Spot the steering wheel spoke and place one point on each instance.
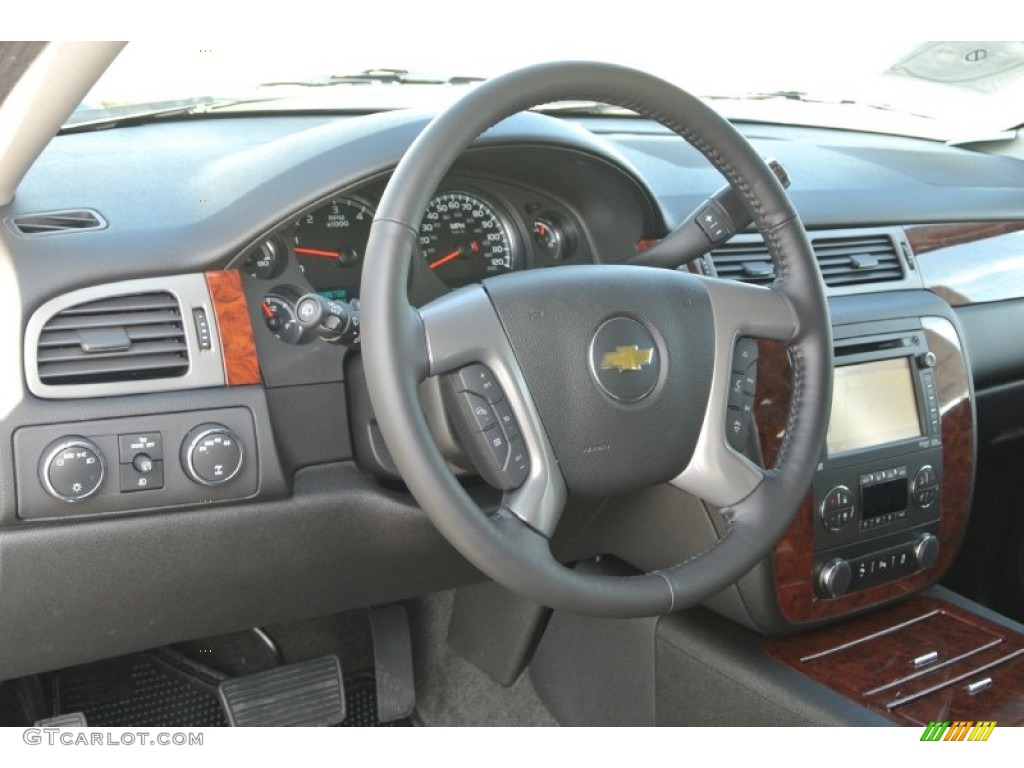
(466, 342)
(718, 472)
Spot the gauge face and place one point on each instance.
(266, 261)
(465, 240)
(330, 242)
(279, 315)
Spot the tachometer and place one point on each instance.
(465, 239)
(329, 244)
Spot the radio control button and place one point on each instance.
(837, 508)
(744, 355)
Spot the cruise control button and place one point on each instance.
(518, 466)
(506, 419)
(478, 410)
(479, 380)
(495, 447)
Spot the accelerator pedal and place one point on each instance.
(392, 661)
(307, 693)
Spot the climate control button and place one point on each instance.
(212, 454)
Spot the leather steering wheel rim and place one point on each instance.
(402, 346)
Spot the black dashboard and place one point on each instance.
(303, 528)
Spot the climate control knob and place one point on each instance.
(212, 454)
(834, 577)
(72, 469)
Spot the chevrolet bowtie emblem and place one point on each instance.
(630, 358)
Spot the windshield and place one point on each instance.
(940, 90)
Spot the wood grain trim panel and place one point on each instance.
(793, 557)
(852, 656)
(932, 237)
(241, 365)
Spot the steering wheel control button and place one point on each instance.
(837, 508)
(506, 419)
(624, 360)
(135, 479)
(479, 380)
(149, 443)
(211, 454)
(518, 467)
(745, 354)
(737, 427)
(72, 469)
(477, 411)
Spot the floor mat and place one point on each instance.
(164, 690)
(144, 689)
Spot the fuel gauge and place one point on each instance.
(279, 316)
(551, 237)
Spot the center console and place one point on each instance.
(877, 490)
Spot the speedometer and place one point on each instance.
(465, 239)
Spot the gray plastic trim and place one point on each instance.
(205, 368)
(465, 329)
(718, 473)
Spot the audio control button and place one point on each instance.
(837, 508)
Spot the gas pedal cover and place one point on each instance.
(392, 654)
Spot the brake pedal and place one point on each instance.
(307, 693)
(392, 660)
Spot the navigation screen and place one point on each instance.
(872, 404)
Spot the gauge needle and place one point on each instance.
(446, 258)
(267, 310)
(315, 252)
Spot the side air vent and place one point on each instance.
(123, 338)
(57, 221)
(845, 260)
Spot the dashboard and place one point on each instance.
(236, 219)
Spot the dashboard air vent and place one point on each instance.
(856, 260)
(845, 260)
(748, 262)
(123, 338)
(57, 221)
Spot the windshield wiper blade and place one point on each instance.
(383, 75)
(582, 109)
(139, 114)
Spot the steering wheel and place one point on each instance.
(618, 376)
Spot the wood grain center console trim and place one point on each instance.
(793, 557)
(977, 672)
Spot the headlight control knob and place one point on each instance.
(72, 469)
(212, 454)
